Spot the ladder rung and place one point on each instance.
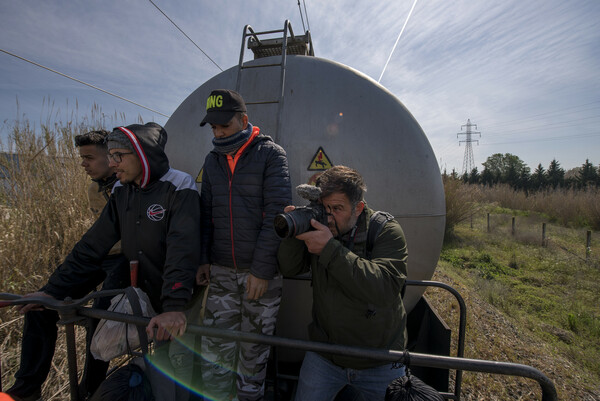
(263, 32)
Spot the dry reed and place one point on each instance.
(43, 213)
(569, 207)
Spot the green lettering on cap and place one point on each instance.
(214, 101)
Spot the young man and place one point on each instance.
(40, 331)
(155, 212)
(356, 299)
(245, 184)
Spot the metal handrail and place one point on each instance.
(462, 324)
(72, 310)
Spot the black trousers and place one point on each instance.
(40, 333)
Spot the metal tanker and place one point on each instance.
(324, 113)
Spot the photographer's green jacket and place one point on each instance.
(356, 301)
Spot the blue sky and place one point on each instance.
(526, 72)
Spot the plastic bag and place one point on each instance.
(112, 338)
(411, 388)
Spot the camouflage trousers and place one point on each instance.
(232, 370)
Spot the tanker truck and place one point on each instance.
(324, 113)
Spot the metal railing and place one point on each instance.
(73, 311)
(462, 327)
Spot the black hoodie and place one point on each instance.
(158, 223)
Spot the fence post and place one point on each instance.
(513, 225)
(488, 222)
(544, 234)
(588, 245)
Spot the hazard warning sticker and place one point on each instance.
(320, 161)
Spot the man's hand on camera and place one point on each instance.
(316, 239)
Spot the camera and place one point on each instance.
(298, 220)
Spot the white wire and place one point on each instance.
(394, 48)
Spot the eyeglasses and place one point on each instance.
(117, 157)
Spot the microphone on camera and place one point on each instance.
(309, 192)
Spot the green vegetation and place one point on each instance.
(546, 297)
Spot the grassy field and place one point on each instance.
(527, 303)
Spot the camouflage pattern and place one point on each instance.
(233, 370)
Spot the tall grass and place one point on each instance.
(569, 207)
(44, 203)
(43, 212)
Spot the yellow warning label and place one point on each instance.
(199, 177)
(320, 161)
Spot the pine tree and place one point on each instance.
(588, 176)
(555, 174)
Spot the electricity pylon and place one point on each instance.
(468, 161)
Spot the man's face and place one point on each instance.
(341, 212)
(235, 125)
(94, 161)
(129, 169)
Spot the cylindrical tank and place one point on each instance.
(331, 114)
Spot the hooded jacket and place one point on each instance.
(239, 203)
(356, 301)
(158, 223)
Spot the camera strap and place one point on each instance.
(351, 238)
(376, 222)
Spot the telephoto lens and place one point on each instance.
(296, 222)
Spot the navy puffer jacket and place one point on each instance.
(240, 203)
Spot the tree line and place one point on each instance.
(510, 169)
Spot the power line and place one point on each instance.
(84, 83)
(190, 39)
(545, 139)
(394, 48)
(301, 17)
(306, 13)
(554, 113)
(560, 124)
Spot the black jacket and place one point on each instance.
(157, 222)
(238, 207)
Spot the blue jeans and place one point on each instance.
(321, 380)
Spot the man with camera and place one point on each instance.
(356, 291)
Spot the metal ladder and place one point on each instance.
(287, 44)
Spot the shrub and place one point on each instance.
(462, 201)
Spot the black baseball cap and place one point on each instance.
(221, 106)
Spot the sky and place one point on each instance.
(525, 72)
